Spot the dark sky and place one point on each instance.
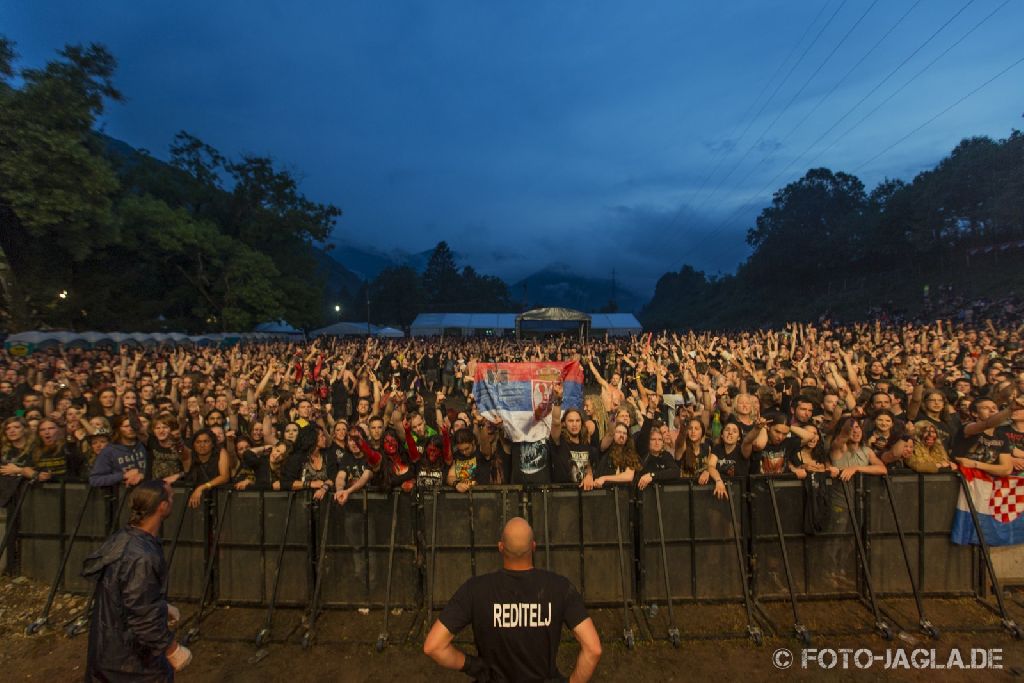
(634, 136)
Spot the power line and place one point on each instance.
(723, 152)
(777, 89)
(832, 90)
(964, 97)
(754, 198)
(913, 78)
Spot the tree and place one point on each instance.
(809, 228)
(55, 191)
(396, 297)
(441, 281)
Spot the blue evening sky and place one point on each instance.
(634, 136)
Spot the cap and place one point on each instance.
(101, 431)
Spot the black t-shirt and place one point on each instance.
(1014, 438)
(531, 462)
(569, 461)
(981, 447)
(774, 457)
(517, 619)
(352, 464)
(662, 465)
(728, 465)
(947, 429)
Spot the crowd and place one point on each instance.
(335, 416)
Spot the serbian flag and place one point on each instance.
(1000, 504)
(520, 394)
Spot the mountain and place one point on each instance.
(556, 285)
(368, 262)
(338, 278)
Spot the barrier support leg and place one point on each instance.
(382, 637)
(12, 519)
(673, 632)
(547, 531)
(44, 618)
(264, 633)
(472, 534)
(197, 617)
(627, 628)
(433, 562)
(798, 627)
(880, 625)
(926, 626)
(753, 631)
(79, 624)
(1005, 619)
(314, 609)
(177, 534)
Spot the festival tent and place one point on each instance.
(552, 320)
(345, 329)
(277, 327)
(463, 324)
(614, 324)
(44, 338)
(390, 333)
(499, 324)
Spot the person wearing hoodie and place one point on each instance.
(124, 458)
(130, 630)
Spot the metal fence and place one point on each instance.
(616, 545)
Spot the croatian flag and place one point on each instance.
(1000, 504)
(520, 394)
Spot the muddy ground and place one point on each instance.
(713, 643)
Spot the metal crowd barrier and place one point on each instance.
(671, 544)
(926, 504)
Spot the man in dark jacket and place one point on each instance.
(129, 635)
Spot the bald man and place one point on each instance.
(517, 615)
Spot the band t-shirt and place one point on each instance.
(569, 461)
(981, 447)
(352, 464)
(517, 619)
(774, 457)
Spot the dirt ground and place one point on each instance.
(713, 643)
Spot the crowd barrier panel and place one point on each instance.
(578, 529)
(823, 565)
(191, 550)
(463, 543)
(699, 544)
(575, 531)
(249, 545)
(926, 504)
(356, 563)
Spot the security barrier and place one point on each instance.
(424, 544)
(699, 544)
(823, 565)
(926, 504)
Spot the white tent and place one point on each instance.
(390, 332)
(345, 329)
(277, 327)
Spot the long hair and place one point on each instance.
(600, 415)
(30, 438)
(625, 456)
(40, 450)
(685, 449)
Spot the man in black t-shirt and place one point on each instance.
(517, 615)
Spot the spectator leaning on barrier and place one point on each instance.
(124, 460)
(978, 444)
